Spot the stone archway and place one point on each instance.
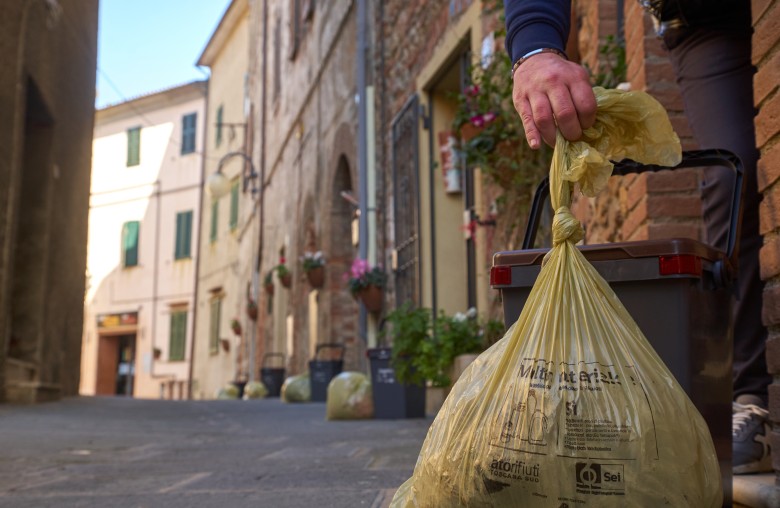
(341, 308)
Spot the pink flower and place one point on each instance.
(477, 121)
(489, 117)
(359, 268)
(472, 91)
(281, 260)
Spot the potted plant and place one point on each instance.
(268, 282)
(366, 283)
(235, 325)
(157, 353)
(285, 277)
(225, 345)
(251, 309)
(314, 268)
(398, 387)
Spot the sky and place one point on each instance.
(149, 45)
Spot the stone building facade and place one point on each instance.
(47, 94)
(303, 87)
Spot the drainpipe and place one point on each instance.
(193, 335)
(366, 176)
(261, 184)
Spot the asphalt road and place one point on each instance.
(117, 452)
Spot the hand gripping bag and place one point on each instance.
(573, 407)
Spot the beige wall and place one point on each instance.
(165, 183)
(227, 262)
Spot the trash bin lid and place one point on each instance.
(617, 251)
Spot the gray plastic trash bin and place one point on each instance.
(677, 290)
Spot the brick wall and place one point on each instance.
(648, 206)
(766, 57)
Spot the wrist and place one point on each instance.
(541, 51)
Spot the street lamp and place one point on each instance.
(219, 185)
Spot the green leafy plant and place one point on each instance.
(281, 268)
(425, 348)
(362, 275)
(493, 140)
(312, 260)
(612, 63)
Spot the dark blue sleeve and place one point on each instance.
(534, 24)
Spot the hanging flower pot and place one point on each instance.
(286, 280)
(157, 353)
(235, 325)
(316, 277)
(251, 310)
(269, 288)
(225, 345)
(372, 297)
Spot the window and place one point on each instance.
(234, 205)
(183, 234)
(178, 335)
(214, 323)
(133, 146)
(130, 243)
(188, 128)
(214, 220)
(220, 113)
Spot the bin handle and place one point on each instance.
(724, 273)
(332, 345)
(269, 355)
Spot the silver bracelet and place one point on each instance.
(539, 51)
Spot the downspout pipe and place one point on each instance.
(362, 45)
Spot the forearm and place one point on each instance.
(534, 24)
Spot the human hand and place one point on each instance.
(548, 91)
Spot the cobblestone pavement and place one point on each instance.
(117, 452)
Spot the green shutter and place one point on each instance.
(216, 311)
(133, 146)
(219, 125)
(130, 243)
(188, 130)
(178, 336)
(214, 220)
(183, 235)
(234, 205)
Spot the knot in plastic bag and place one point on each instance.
(566, 227)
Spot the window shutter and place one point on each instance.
(234, 205)
(188, 130)
(130, 232)
(214, 220)
(216, 311)
(178, 336)
(219, 125)
(183, 234)
(133, 146)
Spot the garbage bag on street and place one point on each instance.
(349, 397)
(297, 388)
(255, 390)
(228, 392)
(573, 407)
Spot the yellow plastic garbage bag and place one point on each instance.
(573, 407)
(297, 388)
(255, 390)
(349, 397)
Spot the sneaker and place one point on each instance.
(750, 432)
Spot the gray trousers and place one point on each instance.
(715, 75)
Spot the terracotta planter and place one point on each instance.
(372, 297)
(469, 131)
(251, 311)
(269, 288)
(225, 345)
(236, 328)
(157, 353)
(286, 280)
(316, 277)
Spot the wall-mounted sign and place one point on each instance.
(116, 320)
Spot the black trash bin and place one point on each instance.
(272, 377)
(678, 291)
(321, 371)
(392, 399)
